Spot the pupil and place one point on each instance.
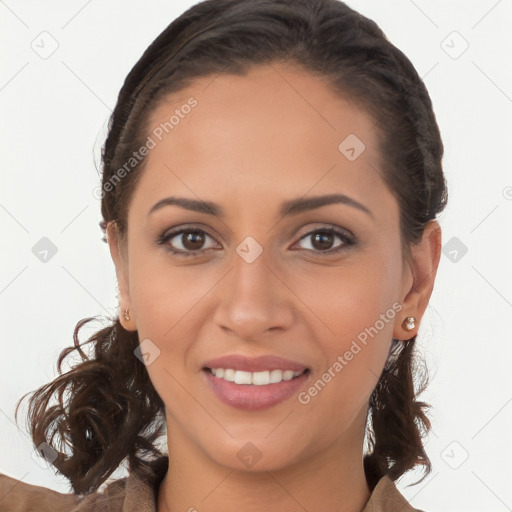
(324, 239)
(193, 240)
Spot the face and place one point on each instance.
(322, 285)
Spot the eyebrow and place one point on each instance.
(291, 207)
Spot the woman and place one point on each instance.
(271, 180)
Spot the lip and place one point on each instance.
(250, 397)
(254, 364)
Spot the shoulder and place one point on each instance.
(387, 498)
(19, 496)
(136, 492)
(16, 495)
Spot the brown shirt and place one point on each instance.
(131, 494)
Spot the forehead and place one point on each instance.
(277, 129)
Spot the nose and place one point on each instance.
(253, 300)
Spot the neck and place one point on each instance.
(332, 480)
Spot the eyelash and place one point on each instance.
(347, 238)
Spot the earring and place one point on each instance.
(409, 323)
(126, 315)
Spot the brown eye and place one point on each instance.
(187, 242)
(192, 241)
(322, 241)
(327, 240)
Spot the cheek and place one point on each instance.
(355, 310)
(352, 298)
(171, 305)
(167, 302)
(166, 297)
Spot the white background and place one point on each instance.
(55, 114)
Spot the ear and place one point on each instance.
(421, 269)
(120, 258)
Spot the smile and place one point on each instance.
(253, 391)
(263, 378)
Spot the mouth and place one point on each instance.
(260, 378)
(254, 391)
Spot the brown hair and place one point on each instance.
(107, 410)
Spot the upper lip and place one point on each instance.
(254, 364)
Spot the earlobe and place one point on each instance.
(424, 261)
(119, 258)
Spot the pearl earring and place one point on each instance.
(409, 323)
(126, 315)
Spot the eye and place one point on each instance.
(324, 240)
(190, 241)
(186, 241)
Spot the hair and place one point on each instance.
(105, 409)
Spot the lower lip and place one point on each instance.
(250, 397)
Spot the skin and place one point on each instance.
(251, 143)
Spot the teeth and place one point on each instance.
(229, 375)
(257, 378)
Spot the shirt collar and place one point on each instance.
(141, 493)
